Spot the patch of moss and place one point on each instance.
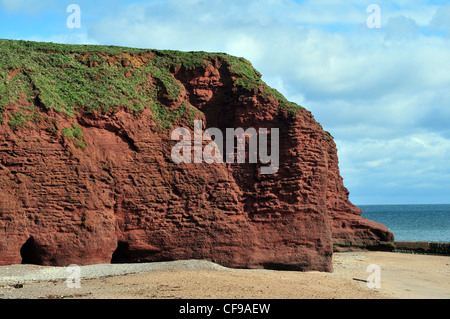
(75, 135)
(169, 86)
(248, 78)
(74, 132)
(169, 118)
(246, 75)
(80, 144)
(3, 91)
(391, 246)
(17, 120)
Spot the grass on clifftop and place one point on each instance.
(92, 78)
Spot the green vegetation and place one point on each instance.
(75, 135)
(190, 60)
(168, 118)
(391, 246)
(74, 132)
(2, 117)
(18, 120)
(248, 78)
(88, 78)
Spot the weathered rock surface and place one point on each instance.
(122, 198)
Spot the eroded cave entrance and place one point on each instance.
(29, 252)
(121, 254)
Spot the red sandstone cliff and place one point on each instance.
(122, 199)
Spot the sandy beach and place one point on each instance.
(405, 276)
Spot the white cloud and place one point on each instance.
(399, 27)
(407, 160)
(441, 19)
(379, 162)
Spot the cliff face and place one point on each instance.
(86, 174)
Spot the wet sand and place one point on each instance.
(405, 276)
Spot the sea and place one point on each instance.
(412, 222)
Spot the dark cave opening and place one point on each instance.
(29, 253)
(121, 254)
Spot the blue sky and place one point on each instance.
(383, 93)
